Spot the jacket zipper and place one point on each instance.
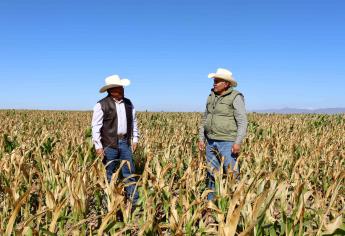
(216, 100)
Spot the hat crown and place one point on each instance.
(222, 71)
(113, 79)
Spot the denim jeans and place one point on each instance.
(113, 158)
(215, 150)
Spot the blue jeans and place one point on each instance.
(113, 158)
(215, 150)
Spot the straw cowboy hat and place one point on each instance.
(224, 74)
(114, 81)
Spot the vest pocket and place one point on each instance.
(223, 108)
(108, 116)
(224, 125)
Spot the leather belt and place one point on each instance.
(121, 136)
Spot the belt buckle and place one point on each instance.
(121, 136)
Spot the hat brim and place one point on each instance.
(122, 83)
(223, 77)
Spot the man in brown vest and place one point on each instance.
(115, 132)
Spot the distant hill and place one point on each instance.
(303, 111)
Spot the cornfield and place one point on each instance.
(292, 171)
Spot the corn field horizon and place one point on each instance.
(292, 178)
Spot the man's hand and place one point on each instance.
(100, 152)
(134, 146)
(201, 145)
(236, 149)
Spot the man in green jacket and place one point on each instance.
(223, 126)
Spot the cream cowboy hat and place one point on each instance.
(114, 81)
(224, 74)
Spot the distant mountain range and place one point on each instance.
(288, 110)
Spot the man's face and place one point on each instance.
(219, 85)
(116, 92)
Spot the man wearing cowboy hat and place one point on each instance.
(223, 126)
(115, 132)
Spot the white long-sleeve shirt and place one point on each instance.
(97, 123)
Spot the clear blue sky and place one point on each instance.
(283, 53)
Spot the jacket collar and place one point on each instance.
(228, 91)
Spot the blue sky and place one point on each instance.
(283, 53)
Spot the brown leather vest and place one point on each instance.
(109, 127)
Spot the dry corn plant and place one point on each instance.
(291, 179)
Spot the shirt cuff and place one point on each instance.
(238, 141)
(98, 145)
(135, 139)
